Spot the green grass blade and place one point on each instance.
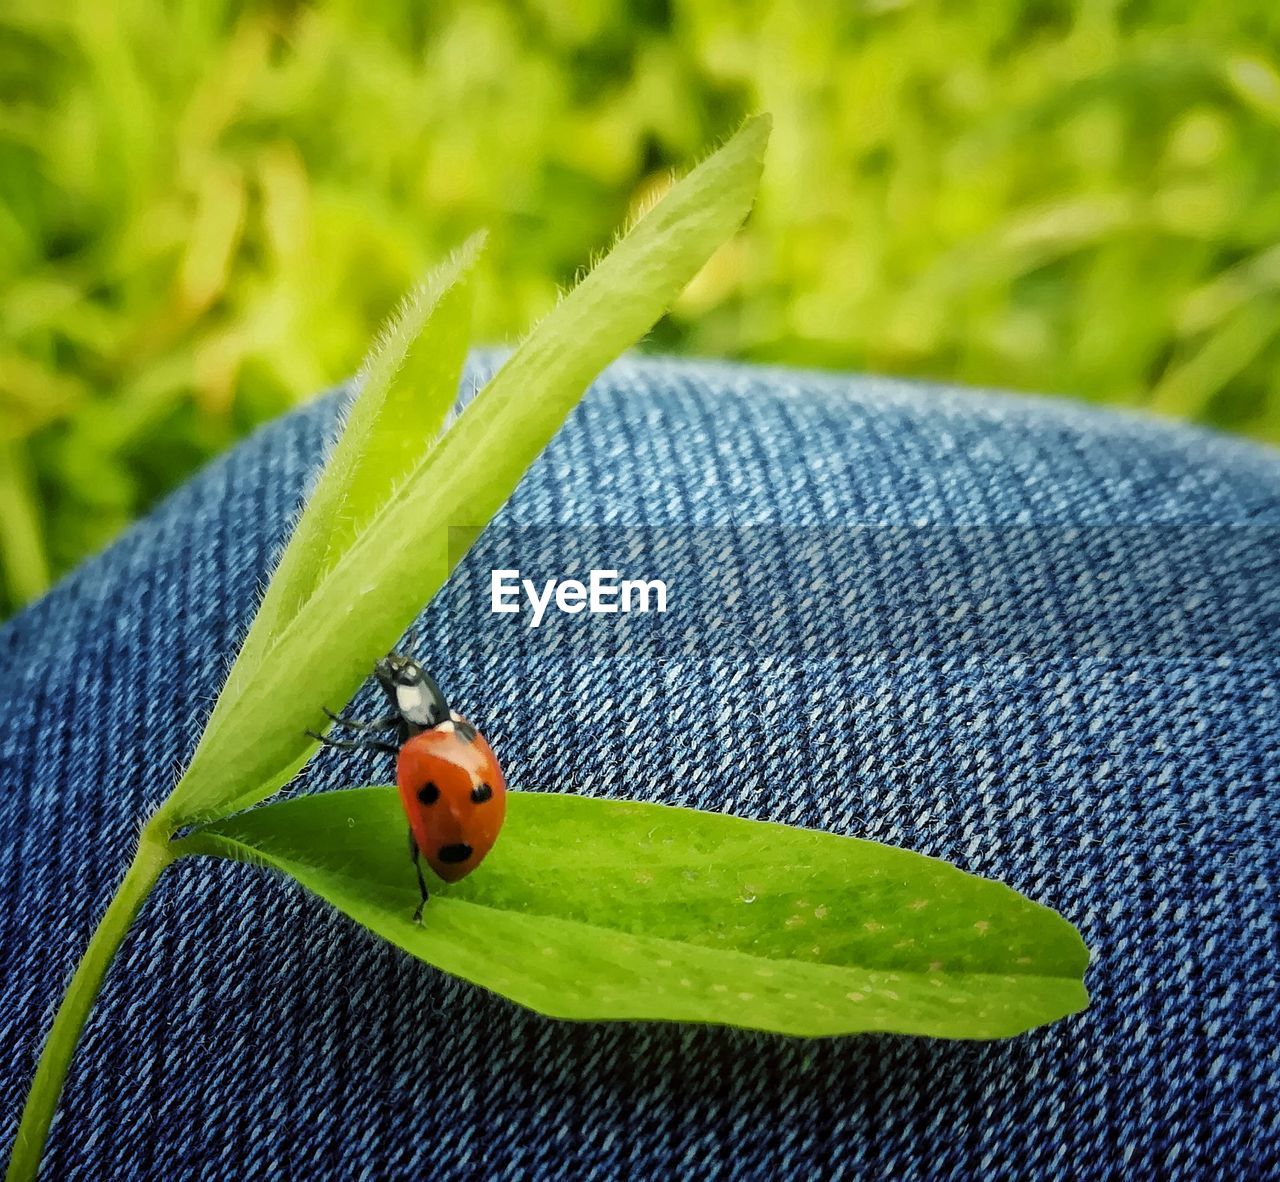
(399, 561)
(23, 560)
(595, 909)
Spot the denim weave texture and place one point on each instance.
(1118, 767)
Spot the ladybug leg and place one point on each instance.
(359, 745)
(378, 724)
(422, 882)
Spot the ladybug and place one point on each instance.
(451, 785)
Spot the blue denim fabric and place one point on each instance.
(248, 1031)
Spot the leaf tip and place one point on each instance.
(472, 248)
(758, 126)
(753, 135)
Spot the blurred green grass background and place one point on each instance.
(207, 207)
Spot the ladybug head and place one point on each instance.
(415, 696)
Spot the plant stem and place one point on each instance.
(153, 855)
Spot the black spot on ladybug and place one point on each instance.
(465, 731)
(428, 793)
(481, 792)
(453, 854)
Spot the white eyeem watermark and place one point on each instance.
(604, 593)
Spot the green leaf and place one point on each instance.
(598, 909)
(327, 646)
(405, 389)
(511, 419)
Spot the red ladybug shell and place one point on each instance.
(454, 795)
